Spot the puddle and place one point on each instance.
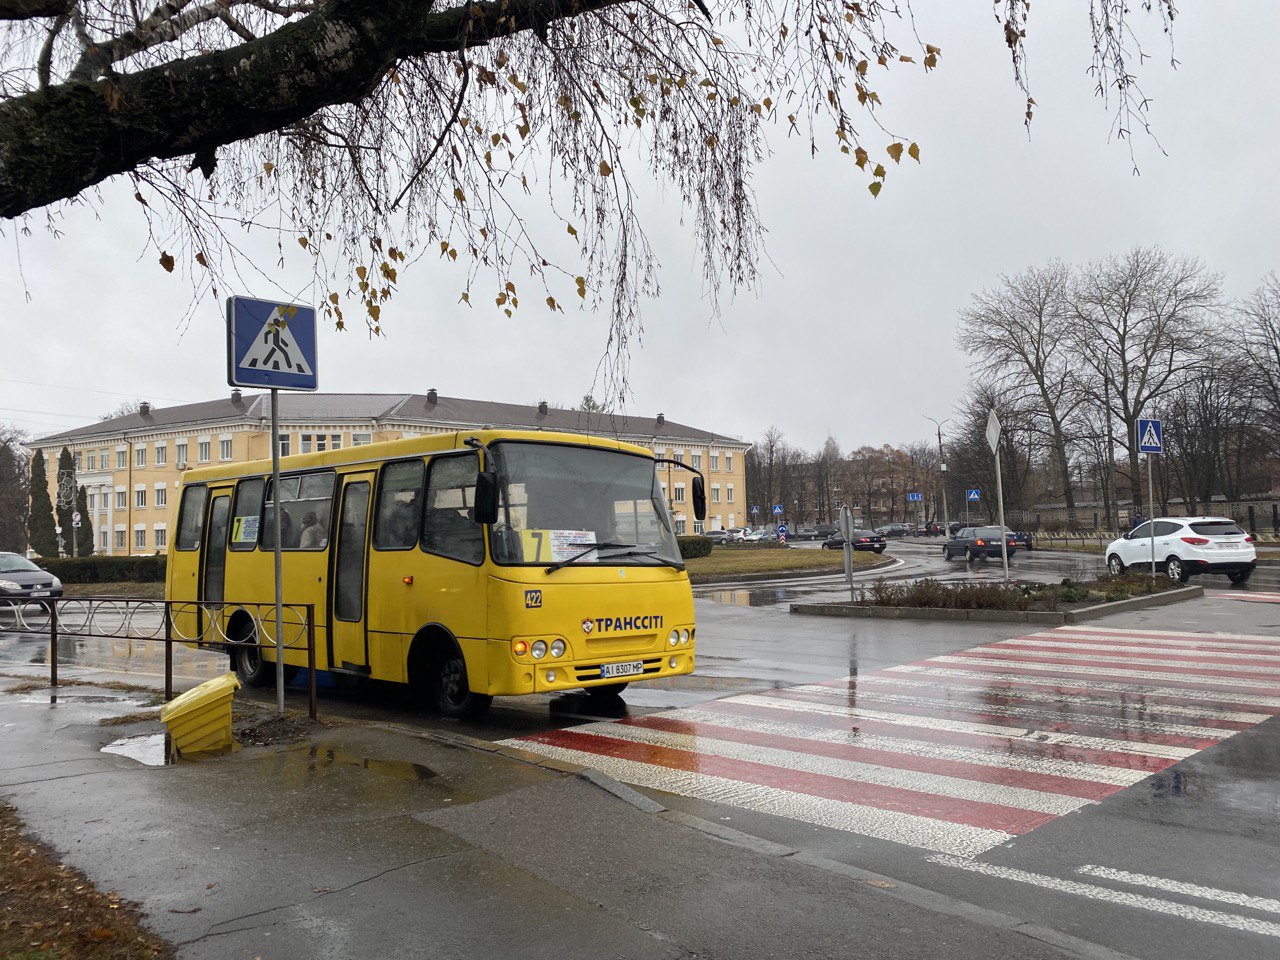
(56, 698)
(323, 758)
(152, 749)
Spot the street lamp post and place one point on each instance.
(942, 471)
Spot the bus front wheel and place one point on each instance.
(250, 666)
(452, 695)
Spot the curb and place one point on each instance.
(906, 892)
(1050, 617)
(710, 579)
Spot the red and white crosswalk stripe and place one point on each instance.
(957, 753)
(1253, 596)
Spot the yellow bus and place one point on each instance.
(472, 564)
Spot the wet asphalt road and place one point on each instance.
(1164, 843)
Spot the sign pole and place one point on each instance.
(1004, 539)
(275, 523)
(1151, 517)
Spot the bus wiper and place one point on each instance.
(654, 555)
(578, 556)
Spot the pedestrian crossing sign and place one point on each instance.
(1150, 436)
(271, 344)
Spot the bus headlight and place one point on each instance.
(674, 637)
(557, 648)
(539, 649)
(684, 637)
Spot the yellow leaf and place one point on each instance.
(913, 152)
(302, 242)
(166, 261)
(860, 157)
(551, 303)
(461, 197)
(573, 231)
(200, 259)
(466, 297)
(333, 298)
(605, 169)
(878, 171)
(930, 48)
(374, 311)
(361, 272)
(874, 187)
(268, 166)
(895, 151)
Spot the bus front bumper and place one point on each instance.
(509, 677)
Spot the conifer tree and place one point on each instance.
(84, 536)
(13, 495)
(40, 524)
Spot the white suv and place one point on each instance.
(1185, 546)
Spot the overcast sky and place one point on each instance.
(851, 330)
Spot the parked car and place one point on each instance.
(825, 530)
(1022, 538)
(804, 533)
(894, 530)
(738, 534)
(861, 540)
(22, 580)
(717, 536)
(754, 536)
(931, 529)
(974, 542)
(1185, 547)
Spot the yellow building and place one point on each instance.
(130, 466)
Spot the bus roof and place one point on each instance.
(397, 449)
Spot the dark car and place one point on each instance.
(824, 530)
(931, 529)
(21, 580)
(894, 530)
(974, 542)
(861, 540)
(1021, 537)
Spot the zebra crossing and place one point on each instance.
(954, 754)
(1253, 596)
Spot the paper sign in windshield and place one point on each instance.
(553, 546)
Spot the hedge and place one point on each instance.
(106, 569)
(694, 546)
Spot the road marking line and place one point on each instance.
(892, 825)
(1051, 680)
(1069, 771)
(1116, 897)
(1208, 667)
(1179, 886)
(940, 784)
(1188, 634)
(937, 723)
(1069, 696)
(1200, 681)
(1107, 649)
(861, 694)
(1206, 642)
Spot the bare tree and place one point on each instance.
(1020, 337)
(1138, 321)
(369, 132)
(1260, 349)
(126, 408)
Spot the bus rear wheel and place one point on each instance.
(451, 693)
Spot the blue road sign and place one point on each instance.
(1150, 436)
(271, 344)
(914, 497)
(777, 509)
(973, 495)
(755, 510)
(782, 529)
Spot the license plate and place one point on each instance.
(1230, 546)
(609, 670)
(39, 593)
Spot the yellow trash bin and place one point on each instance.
(200, 719)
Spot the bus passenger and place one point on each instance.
(312, 537)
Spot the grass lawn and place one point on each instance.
(148, 591)
(737, 560)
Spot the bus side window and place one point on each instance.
(447, 526)
(399, 506)
(247, 514)
(306, 505)
(191, 518)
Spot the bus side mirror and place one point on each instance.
(699, 498)
(486, 509)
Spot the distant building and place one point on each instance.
(130, 466)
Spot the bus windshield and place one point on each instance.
(558, 501)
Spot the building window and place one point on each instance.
(93, 501)
(335, 441)
(102, 540)
(140, 538)
(715, 461)
(361, 439)
(75, 461)
(699, 526)
(715, 493)
(162, 456)
(679, 526)
(180, 453)
(140, 497)
(679, 493)
(202, 451)
(121, 462)
(224, 449)
(161, 538)
(678, 457)
(697, 465)
(728, 463)
(162, 496)
(122, 502)
(93, 462)
(282, 440)
(139, 456)
(729, 493)
(120, 541)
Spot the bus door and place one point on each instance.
(214, 577)
(348, 639)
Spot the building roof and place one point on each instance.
(383, 409)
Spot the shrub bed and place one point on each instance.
(1022, 596)
(107, 569)
(694, 546)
